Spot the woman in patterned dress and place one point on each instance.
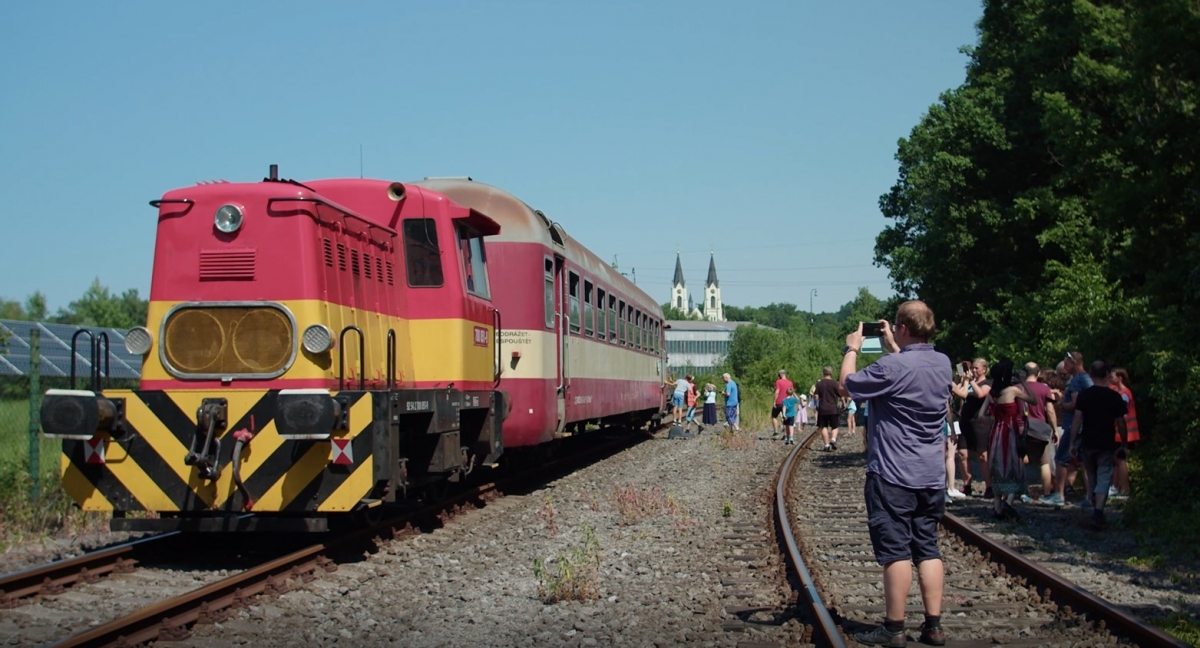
(1005, 464)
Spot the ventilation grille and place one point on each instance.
(227, 264)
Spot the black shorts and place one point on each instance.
(977, 438)
(776, 411)
(789, 421)
(827, 420)
(903, 521)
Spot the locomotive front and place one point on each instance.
(288, 370)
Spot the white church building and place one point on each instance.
(710, 308)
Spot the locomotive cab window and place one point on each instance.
(474, 262)
(589, 313)
(423, 255)
(573, 291)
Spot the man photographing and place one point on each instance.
(908, 390)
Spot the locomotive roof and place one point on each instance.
(521, 223)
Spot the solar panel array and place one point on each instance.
(55, 349)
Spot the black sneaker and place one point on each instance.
(881, 636)
(987, 493)
(1098, 520)
(833, 444)
(933, 636)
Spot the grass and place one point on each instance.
(26, 519)
(573, 575)
(635, 504)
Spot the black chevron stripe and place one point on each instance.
(321, 488)
(101, 478)
(158, 468)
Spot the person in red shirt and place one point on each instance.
(781, 389)
(1120, 384)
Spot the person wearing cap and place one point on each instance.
(782, 385)
(1098, 411)
(1068, 466)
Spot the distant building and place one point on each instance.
(698, 347)
(710, 309)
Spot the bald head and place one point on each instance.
(917, 317)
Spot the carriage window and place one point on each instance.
(621, 315)
(612, 319)
(601, 329)
(637, 329)
(573, 291)
(589, 313)
(549, 294)
(421, 251)
(474, 260)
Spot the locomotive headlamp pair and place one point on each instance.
(228, 218)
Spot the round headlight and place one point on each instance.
(317, 338)
(228, 218)
(138, 340)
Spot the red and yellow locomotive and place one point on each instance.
(315, 349)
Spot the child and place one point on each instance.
(789, 416)
(710, 404)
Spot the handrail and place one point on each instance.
(362, 376)
(345, 212)
(391, 359)
(498, 331)
(101, 341)
(91, 351)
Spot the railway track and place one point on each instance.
(171, 617)
(992, 594)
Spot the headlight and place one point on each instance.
(228, 218)
(317, 338)
(138, 340)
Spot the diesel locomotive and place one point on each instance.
(318, 349)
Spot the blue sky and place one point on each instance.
(764, 132)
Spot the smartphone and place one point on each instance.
(872, 329)
(964, 368)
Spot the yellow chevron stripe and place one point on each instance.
(88, 497)
(136, 481)
(359, 483)
(352, 491)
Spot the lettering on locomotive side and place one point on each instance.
(516, 337)
(583, 400)
(417, 406)
(481, 336)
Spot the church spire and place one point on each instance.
(712, 270)
(679, 272)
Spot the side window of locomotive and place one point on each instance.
(601, 329)
(589, 313)
(621, 321)
(422, 254)
(474, 260)
(573, 292)
(549, 276)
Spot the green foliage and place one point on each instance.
(572, 575)
(1048, 203)
(670, 312)
(100, 307)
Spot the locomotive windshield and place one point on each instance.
(422, 253)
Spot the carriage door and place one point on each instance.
(562, 325)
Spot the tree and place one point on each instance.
(1049, 203)
(100, 307)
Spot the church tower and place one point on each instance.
(679, 293)
(713, 311)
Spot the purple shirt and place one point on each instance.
(909, 392)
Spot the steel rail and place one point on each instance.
(53, 577)
(1063, 590)
(783, 521)
(171, 619)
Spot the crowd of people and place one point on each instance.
(938, 432)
